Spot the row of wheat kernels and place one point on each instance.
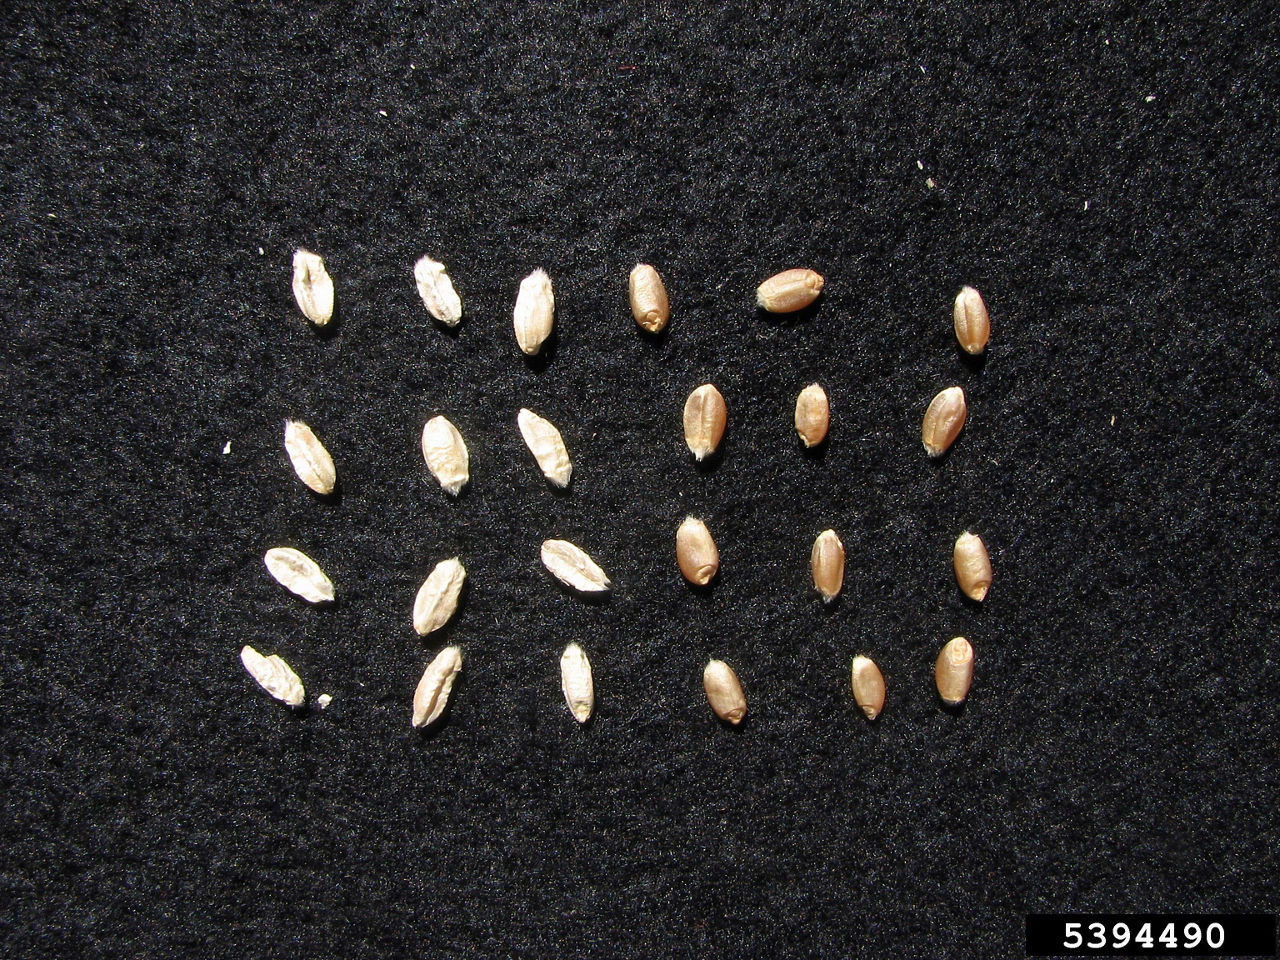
(535, 306)
(953, 674)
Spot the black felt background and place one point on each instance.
(1106, 176)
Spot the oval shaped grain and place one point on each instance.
(868, 686)
(547, 446)
(437, 598)
(789, 290)
(649, 304)
(432, 694)
(446, 454)
(274, 676)
(813, 415)
(696, 552)
(724, 692)
(943, 421)
(954, 671)
(972, 565)
(535, 311)
(972, 322)
(311, 461)
(312, 287)
(705, 416)
(826, 562)
(575, 680)
(570, 565)
(435, 287)
(299, 574)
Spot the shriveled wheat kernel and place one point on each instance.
(299, 574)
(547, 446)
(696, 552)
(437, 598)
(649, 304)
(432, 694)
(575, 681)
(943, 420)
(572, 567)
(436, 290)
(446, 454)
(813, 415)
(973, 566)
(311, 461)
(954, 671)
(705, 416)
(535, 311)
(973, 324)
(789, 290)
(724, 692)
(312, 287)
(868, 686)
(826, 561)
(274, 676)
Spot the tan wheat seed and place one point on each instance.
(575, 681)
(868, 686)
(705, 416)
(571, 566)
(437, 598)
(446, 454)
(649, 304)
(696, 552)
(432, 695)
(299, 574)
(724, 692)
(789, 290)
(954, 671)
(274, 676)
(826, 562)
(547, 446)
(943, 421)
(311, 461)
(813, 415)
(436, 290)
(973, 566)
(973, 324)
(312, 287)
(535, 311)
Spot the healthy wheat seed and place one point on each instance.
(705, 416)
(724, 692)
(432, 694)
(572, 567)
(437, 598)
(868, 686)
(649, 304)
(973, 325)
(575, 681)
(954, 671)
(311, 461)
(973, 566)
(826, 561)
(437, 292)
(535, 311)
(446, 454)
(696, 552)
(547, 446)
(312, 287)
(813, 415)
(274, 676)
(789, 290)
(299, 574)
(943, 421)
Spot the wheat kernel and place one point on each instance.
(705, 416)
(789, 290)
(696, 552)
(436, 290)
(954, 671)
(724, 692)
(274, 676)
(943, 421)
(813, 415)
(868, 686)
(311, 461)
(649, 304)
(446, 454)
(535, 311)
(973, 325)
(432, 694)
(547, 446)
(299, 574)
(973, 566)
(312, 287)
(575, 681)
(826, 561)
(570, 565)
(437, 598)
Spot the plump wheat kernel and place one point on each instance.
(813, 415)
(437, 598)
(311, 461)
(437, 292)
(973, 325)
(649, 304)
(705, 416)
(696, 552)
(572, 567)
(274, 676)
(432, 694)
(446, 454)
(298, 573)
(724, 692)
(312, 287)
(954, 671)
(535, 311)
(826, 561)
(868, 686)
(943, 420)
(973, 566)
(789, 290)
(575, 681)
(547, 446)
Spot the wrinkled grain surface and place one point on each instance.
(432, 695)
(446, 454)
(312, 287)
(311, 461)
(535, 311)
(437, 598)
(547, 446)
(576, 682)
(571, 566)
(954, 671)
(435, 287)
(298, 573)
(274, 676)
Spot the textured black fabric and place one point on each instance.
(1105, 173)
